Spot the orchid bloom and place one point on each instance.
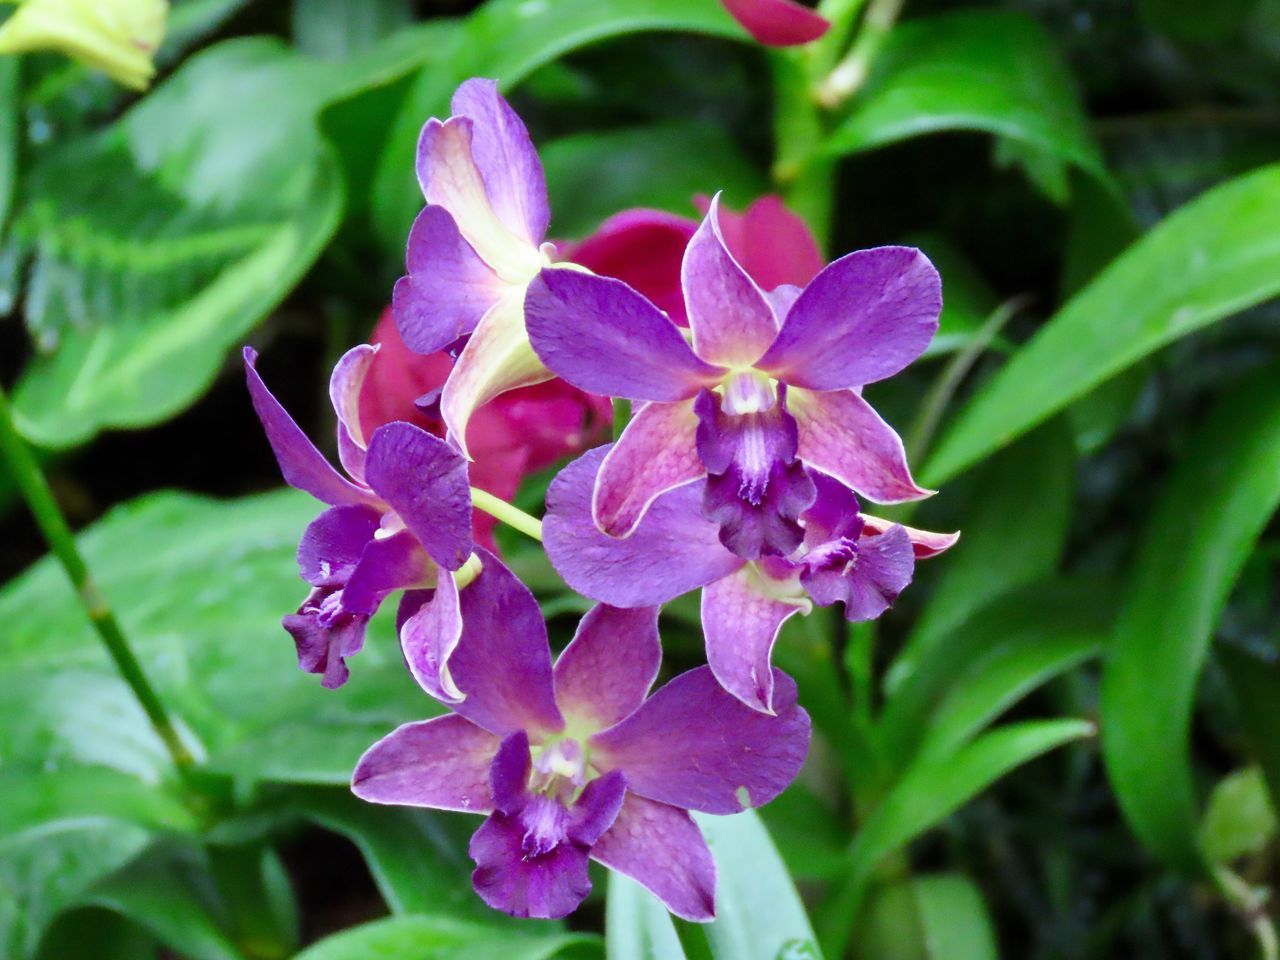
(400, 519)
(861, 561)
(518, 433)
(473, 251)
(118, 37)
(778, 23)
(768, 384)
(571, 762)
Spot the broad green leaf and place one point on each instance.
(1014, 532)
(1210, 259)
(637, 926)
(1217, 501)
(592, 176)
(37, 799)
(1239, 819)
(985, 70)
(333, 30)
(938, 917)
(507, 40)
(100, 934)
(969, 299)
(987, 662)
(759, 915)
(443, 938)
(209, 200)
(199, 587)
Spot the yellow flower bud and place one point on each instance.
(118, 37)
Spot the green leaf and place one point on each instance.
(333, 30)
(592, 176)
(759, 915)
(212, 196)
(8, 141)
(939, 917)
(507, 40)
(100, 934)
(1216, 503)
(969, 300)
(1255, 686)
(442, 938)
(1210, 259)
(984, 70)
(1188, 20)
(1239, 819)
(199, 587)
(1014, 533)
(637, 926)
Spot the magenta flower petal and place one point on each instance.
(841, 435)
(863, 318)
(661, 848)
(656, 452)
(430, 626)
(643, 249)
(333, 543)
(502, 663)
(694, 746)
(345, 384)
(506, 158)
(604, 673)
(774, 245)
(778, 23)
(441, 763)
(731, 319)
(603, 337)
(672, 551)
(447, 288)
(546, 886)
(424, 480)
(303, 466)
(741, 624)
(924, 543)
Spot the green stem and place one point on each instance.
(852, 72)
(1252, 905)
(621, 415)
(805, 180)
(513, 517)
(35, 491)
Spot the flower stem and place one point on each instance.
(513, 517)
(35, 491)
(621, 415)
(1252, 906)
(852, 72)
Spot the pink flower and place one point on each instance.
(519, 433)
(778, 23)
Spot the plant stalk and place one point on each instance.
(512, 516)
(852, 72)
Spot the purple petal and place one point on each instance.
(604, 674)
(302, 465)
(334, 542)
(497, 358)
(447, 288)
(506, 158)
(597, 808)
(509, 774)
(924, 543)
(656, 452)
(441, 763)
(502, 663)
(548, 886)
(662, 849)
(603, 337)
(835, 512)
(694, 746)
(387, 564)
(868, 580)
(741, 623)
(731, 319)
(841, 435)
(430, 628)
(424, 480)
(672, 551)
(862, 319)
(756, 488)
(325, 634)
(778, 23)
(345, 384)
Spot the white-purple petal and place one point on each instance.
(863, 318)
(661, 848)
(605, 338)
(672, 551)
(924, 543)
(441, 763)
(430, 626)
(345, 384)
(607, 669)
(694, 746)
(732, 321)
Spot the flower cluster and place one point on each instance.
(739, 474)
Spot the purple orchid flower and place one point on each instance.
(401, 520)
(769, 385)
(863, 562)
(571, 762)
(474, 249)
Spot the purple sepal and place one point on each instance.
(607, 669)
(441, 763)
(741, 623)
(694, 746)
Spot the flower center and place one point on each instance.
(748, 392)
(560, 769)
